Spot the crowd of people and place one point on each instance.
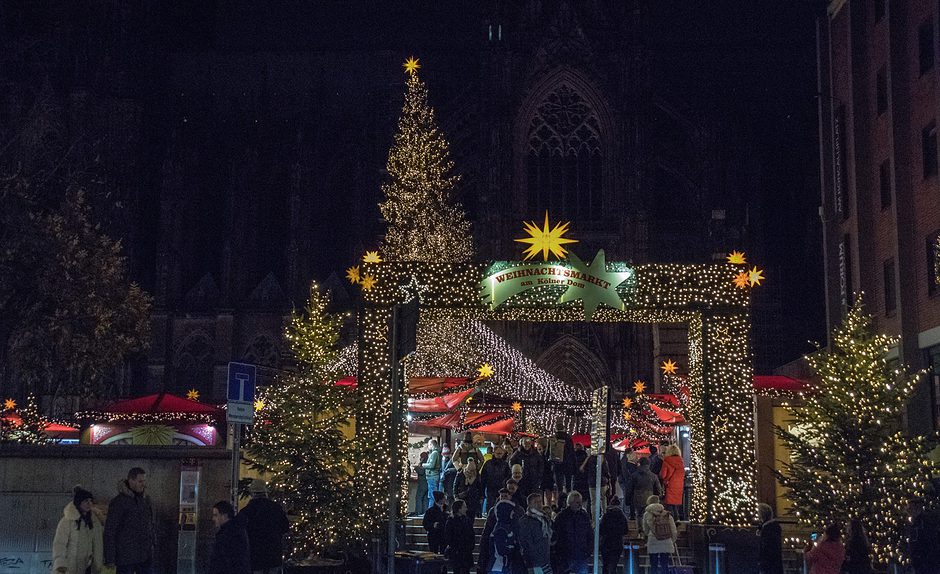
(536, 498)
(124, 540)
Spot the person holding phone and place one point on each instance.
(827, 555)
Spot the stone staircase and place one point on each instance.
(416, 539)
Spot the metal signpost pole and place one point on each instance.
(240, 411)
(236, 460)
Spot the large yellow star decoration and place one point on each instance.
(736, 258)
(353, 274)
(627, 402)
(755, 276)
(371, 257)
(740, 280)
(192, 394)
(368, 282)
(259, 404)
(547, 239)
(485, 371)
(669, 367)
(411, 65)
(516, 406)
(639, 387)
(9, 404)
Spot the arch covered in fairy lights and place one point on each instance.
(703, 296)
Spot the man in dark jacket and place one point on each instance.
(266, 524)
(534, 534)
(128, 532)
(627, 467)
(495, 473)
(573, 536)
(434, 521)
(230, 551)
(561, 450)
(770, 550)
(580, 479)
(612, 530)
(533, 467)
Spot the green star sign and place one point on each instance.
(594, 285)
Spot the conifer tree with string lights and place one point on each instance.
(28, 429)
(850, 456)
(298, 440)
(424, 222)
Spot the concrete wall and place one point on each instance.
(36, 483)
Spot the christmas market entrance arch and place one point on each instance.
(703, 296)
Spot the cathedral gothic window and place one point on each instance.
(564, 156)
(194, 365)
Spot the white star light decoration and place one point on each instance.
(414, 289)
(735, 494)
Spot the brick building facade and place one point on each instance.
(879, 109)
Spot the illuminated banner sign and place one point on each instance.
(593, 283)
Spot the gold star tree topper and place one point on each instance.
(9, 404)
(411, 66)
(485, 371)
(547, 239)
(736, 258)
(639, 387)
(192, 394)
(669, 367)
(371, 257)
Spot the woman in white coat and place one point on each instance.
(78, 547)
(661, 534)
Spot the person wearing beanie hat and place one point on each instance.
(266, 524)
(78, 544)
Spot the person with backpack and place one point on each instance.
(499, 551)
(561, 454)
(460, 539)
(613, 528)
(433, 522)
(661, 533)
(574, 536)
(534, 537)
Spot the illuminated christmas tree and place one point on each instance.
(850, 454)
(424, 224)
(298, 441)
(22, 425)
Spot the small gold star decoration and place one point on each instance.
(627, 402)
(517, 406)
(368, 282)
(740, 280)
(353, 274)
(9, 404)
(627, 416)
(411, 65)
(371, 257)
(720, 424)
(736, 258)
(639, 387)
(192, 394)
(547, 239)
(259, 404)
(755, 276)
(669, 367)
(485, 371)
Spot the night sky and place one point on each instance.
(751, 63)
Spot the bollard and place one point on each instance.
(631, 564)
(716, 559)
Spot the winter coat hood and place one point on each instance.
(655, 508)
(75, 546)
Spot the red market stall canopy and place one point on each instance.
(492, 422)
(51, 428)
(779, 383)
(667, 416)
(162, 403)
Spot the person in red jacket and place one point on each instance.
(827, 556)
(672, 475)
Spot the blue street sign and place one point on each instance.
(241, 393)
